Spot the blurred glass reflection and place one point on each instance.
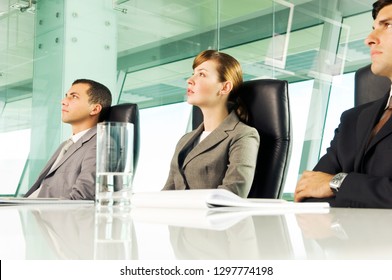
(114, 237)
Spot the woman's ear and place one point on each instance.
(227, 87)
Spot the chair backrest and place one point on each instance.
(126, 112)
(267, 102)
(369, 87)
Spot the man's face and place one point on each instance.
(380, 43)
(76, 109)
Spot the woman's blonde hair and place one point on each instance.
(229, 69)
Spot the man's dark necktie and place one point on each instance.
(384, 118)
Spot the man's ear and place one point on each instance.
(97, 108)
(227, 87)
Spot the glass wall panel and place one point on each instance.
(341, 99)
(161, 128)
(299, 94)
(158, 45)
(310, 43)
(17, 21)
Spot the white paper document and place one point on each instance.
(211, 198)
(25, 200)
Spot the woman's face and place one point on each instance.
(204, 87)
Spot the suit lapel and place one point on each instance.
(216, 136)
(213, 139)
(42, 176)
(365, 124)
(384, 132)
(386, 129)
(44, 172)
(74, 147)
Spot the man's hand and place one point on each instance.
(313, 184)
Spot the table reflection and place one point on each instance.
(58, 233)
(237, 242)
(223, 233)
(78, 232)
(347, 234)
(82, 232)
(115, 236)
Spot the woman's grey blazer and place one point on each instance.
(226, 158)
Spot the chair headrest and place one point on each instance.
(369, 87)
(126, 112)
(267, 103)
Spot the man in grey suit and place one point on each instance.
(71, 175)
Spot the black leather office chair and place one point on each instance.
(126, 112)
(369, 87)
(267, 102)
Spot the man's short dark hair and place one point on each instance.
(98, 93)
(378, 5)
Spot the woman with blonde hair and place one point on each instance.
(222, 151)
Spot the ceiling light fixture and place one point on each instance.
(30, 7)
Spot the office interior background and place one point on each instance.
(143, 51)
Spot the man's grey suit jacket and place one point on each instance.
(74, 175)
(224, 159)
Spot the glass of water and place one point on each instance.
(114, 164)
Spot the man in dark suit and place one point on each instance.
(72, 175)
(357, 168)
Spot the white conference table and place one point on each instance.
(83, 232)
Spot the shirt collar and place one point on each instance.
(389, 99)
(79, 135)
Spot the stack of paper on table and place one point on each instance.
(211, 198)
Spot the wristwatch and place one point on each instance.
(337, 181)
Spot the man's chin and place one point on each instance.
(378, 71)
